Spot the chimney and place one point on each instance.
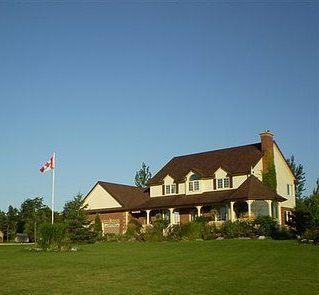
(267, 147)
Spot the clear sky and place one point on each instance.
(108, 86)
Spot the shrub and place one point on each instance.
(98, 227)
(134, 228)
(53, 236)
(312, 235)
(154, 233)
(193, 230)
(175, 232)
(265, 226)
(237, 229)
(282, 234)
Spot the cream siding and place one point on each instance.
(284, 177)
(238, 180)
(257, 170)
(155, 191)
(99, 198)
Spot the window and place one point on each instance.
(226, 182)
(193, 184)
(223, 183)
(288, 216)
(170, 189)
(196, 185)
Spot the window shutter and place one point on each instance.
(230, 181)
(163, 189)
(176, 187)
(214, 182)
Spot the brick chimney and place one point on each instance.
(267, 147)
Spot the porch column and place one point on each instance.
(171, 215)
(198, 210)
(249, 207)
(279, 213)
(269, 208)
(232, 213)
(148, 217)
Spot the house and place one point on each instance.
(227, 182)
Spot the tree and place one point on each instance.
(142, 176)
(97, 224)
(33, 212)
(306, 213)
(77, 224)
(315, 191)
(299, 174)
(3, 223)
(12, 222)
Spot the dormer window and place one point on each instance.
(193, 184)
(170, 189)
(223, 183)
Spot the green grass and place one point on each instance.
(207, 267)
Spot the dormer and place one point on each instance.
(193, 183)
(222, 180)
(169, 187)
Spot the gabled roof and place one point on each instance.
(235, 160)
(133, 198)
(128, 196)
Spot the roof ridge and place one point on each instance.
(118, 184)
(218, 150)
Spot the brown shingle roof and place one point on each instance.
(235, 160)
(133, 198)
(128, 196)
(254, 189)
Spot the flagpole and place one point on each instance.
(52, 196)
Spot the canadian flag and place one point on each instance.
(49, 165)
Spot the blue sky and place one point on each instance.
(109, 85)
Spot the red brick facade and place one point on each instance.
(112, 222)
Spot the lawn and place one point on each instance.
(203, 267)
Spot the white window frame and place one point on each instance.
(194, 186)
(221, 183)
(167, 189)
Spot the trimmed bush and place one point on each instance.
(265, 226)
(237, 229)
(53, 237)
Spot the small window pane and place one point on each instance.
(190, 186)
(226, 182)
(168, 189)
(196, 185)
(220, 183)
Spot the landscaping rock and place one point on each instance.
(261, 238)
(220, 238)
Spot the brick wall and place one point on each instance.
(114, 222)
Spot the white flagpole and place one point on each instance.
(52, 196)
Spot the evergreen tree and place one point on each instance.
(315, 191)
(97, 224)
(12, 222)
(299, 174)
(142, 176)
(77, 223)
